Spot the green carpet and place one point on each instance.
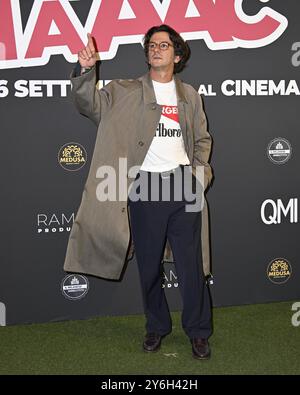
(252, 339)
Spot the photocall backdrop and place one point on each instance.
(245, 62)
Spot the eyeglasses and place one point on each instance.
(163, 46)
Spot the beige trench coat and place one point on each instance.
(126, 114)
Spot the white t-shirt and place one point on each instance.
(167, 149)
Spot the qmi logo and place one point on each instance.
(2, 314)
(271, 211)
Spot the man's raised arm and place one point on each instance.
(88, 99)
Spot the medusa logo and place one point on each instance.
(72, 156)
(279, 271)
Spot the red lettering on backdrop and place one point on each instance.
(221, 23)
(107, 25)
(7, 34)
(219, 20)
(53, 11)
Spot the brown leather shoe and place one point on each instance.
(152, 342)
(200, 348)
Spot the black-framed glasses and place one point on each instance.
(164, 45)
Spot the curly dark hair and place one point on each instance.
(181, 47)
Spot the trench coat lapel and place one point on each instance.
(181, 101)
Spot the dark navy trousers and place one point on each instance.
(152, 222)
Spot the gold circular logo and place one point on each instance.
(279, 271)
(72, 156)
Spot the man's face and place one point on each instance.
(161, 59)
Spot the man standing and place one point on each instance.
(157, 123)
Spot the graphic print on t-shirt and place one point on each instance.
(170, 112)
(167, 149)
(163, 129)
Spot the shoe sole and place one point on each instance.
(150, 351)
(201, 358)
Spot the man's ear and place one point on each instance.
(177, 59)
